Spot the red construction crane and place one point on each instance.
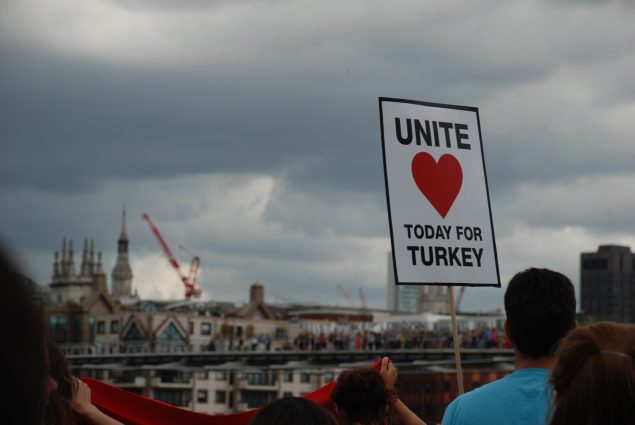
(459, 298)
(362, 297)
(346, 295)
(190, 280)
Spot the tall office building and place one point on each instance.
(400, 298)
(607, 283)
(414, 298)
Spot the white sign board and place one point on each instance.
(438, 202)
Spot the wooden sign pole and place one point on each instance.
(455, 339)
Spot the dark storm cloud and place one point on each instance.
(75, 121)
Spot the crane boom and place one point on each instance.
(188, 281)
(346, 295)
(460, 297)
(362, 297)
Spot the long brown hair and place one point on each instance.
(59, 410)
(594, 376)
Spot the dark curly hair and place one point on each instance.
(293, 411)
(540, 307)
(361, 396)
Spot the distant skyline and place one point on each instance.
(249, 131)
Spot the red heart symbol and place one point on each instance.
(440, 182)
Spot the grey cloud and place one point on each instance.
(337, 211)
(600, 204)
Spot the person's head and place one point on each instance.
(540, 307)
(360, 395)
(293, 411)
(59, 410)
(23, 362)
(594, 376)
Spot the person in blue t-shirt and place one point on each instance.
(540, 308)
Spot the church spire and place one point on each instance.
(122, 233)
(56, 267)
(122, 272)
(85, 267)
(122, 243)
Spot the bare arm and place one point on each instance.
(82, 405)
(405, 416)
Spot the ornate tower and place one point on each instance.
(65, 283)
(122, 273)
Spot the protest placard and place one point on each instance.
(438, 201)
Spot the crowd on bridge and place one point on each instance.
(394, 339)
(565, 374)
(397, 340)
(391, 339)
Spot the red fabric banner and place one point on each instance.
(133, 409)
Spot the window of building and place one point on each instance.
(149, 306)
(171, 340)
(220, 397)
(203, 376)
(92, 327)
(595, 264)
(206, 328)
(171, 333)
(201, 396)
(177, 398)
(133, 333)
(255, 399)
(114, 326)
(174, 377)
(76, 328)
(124, 376)
(287, 376)
(59, 328)
(221, 375)
(305, 377)
(281, 333)
(329, 376)
(101, 327)
(260, 378)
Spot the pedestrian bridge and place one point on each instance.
(305, 358)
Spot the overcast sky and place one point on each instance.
(249, 131)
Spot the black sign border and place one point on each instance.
(383, 151)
